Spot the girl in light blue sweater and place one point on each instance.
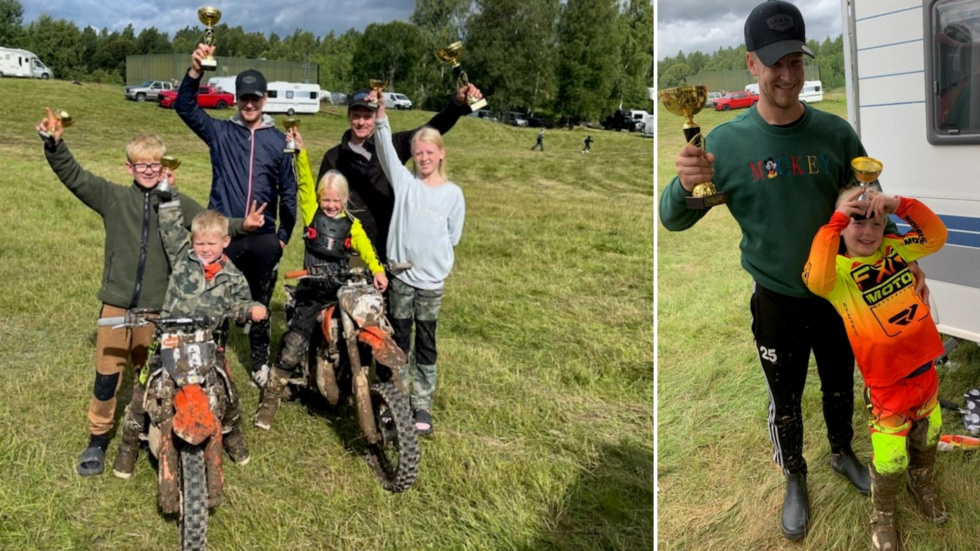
(426, 223)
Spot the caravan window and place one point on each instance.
(289, 94)
(953, 71)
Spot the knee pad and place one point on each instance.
(105, 386)
(403, 333)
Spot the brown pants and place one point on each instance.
(113, 347)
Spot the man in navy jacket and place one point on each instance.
(249, 169)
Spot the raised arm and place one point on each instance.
(443, 121)
(391, 164)
(173, 232)
(928, 233)
(287, 198)
(186, 103)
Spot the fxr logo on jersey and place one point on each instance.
(882, 279)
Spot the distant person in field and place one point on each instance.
(588, 144)
(135, 273)
(248, 165)
(779, 213)
(539, 142)
(371, 196)
(894, 339)
(426, 226)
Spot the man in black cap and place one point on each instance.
(371, 198)
(781, 166)
(249, 169)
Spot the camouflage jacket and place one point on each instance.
(189, 293)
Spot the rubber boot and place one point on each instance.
(271, 398)
(884, 526)
(920, 478)
(796, 506)
(847, 465)
(134, 424)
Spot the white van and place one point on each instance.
(21, 63)
(227, 84)
(398, 101)
(812, 91)
(754, 88)
(292, 97)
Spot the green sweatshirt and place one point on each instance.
(781, 185)
(136, 268)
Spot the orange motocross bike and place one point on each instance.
(353, 355)
(187, 392)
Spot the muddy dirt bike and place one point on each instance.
(187, 392)
(354, 335)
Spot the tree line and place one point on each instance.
(673, 71)
(575, 60)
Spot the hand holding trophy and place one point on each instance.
(209, 15)
(687, 101)
(169, 164)
(451, 54)
(53, 126)
(866, 172)
(290, 123)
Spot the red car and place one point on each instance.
(736, 100)
(208, 97)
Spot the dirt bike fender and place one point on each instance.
(384, 347)
(325, 321)
(193, 419)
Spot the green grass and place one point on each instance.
(718, 488)
(544, 417)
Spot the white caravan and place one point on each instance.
(912, 65)
(21, 63)
(292, 98)
(812, 91)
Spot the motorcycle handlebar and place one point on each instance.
(143, 318)
(390, 266)
(108, 322)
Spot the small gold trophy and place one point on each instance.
(687, 101)
(866, 172)
(451, 54)
(64, 120)
(171, 162)
(209, 15)
(290, 122)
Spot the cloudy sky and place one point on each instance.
(706, 25)
(265, 16)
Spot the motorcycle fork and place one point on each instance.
(168, 483)
(215, 474)
(359, 382)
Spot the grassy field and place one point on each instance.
(718, 488)
(544, 412)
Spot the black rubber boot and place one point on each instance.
(796, 506)
(847, 465)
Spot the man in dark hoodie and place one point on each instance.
(249, 168)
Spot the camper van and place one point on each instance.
(812, 91)
(911, 69)
(292, 98)
(21, 63)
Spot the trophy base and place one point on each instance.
(209, 64)
(289, 151)
(478, 104)
(706, 202)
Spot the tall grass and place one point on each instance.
(543, 416)
(718, 488)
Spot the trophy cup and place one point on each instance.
(866, 172)
(451, 54)
(209, 15)
(64, 120)
(687, 101)
(167, 161)
(290, 122)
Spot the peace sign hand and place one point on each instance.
(255, 218)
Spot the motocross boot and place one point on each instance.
(271, 397)
(884, 493)
(134, 424)
(234, 443)
(920, 474)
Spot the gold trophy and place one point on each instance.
(171, 162)
(378, 85)
(451, 54)
(866, 172)
(209, 15)
(63, 119)
(290, 122)
(687, 101)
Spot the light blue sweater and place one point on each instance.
(426, 223)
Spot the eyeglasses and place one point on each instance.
(147, 167)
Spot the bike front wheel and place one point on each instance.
(395, 458)
(193, 500)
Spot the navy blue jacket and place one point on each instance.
(246, 165)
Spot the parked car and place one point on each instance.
(736, 100)
(515, 118)
(484, 114)
(208, 97)
(623, 119)
(338, 98)
(149, 90)
(712, 96)
(398, 101)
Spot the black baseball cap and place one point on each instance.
(775, 29)
(250, 83)
(359, 99)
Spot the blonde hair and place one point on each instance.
(334, 180)
(872, 188)
(210, 222)
(145, 146)
(431, 135)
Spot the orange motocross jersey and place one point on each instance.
(890, 328)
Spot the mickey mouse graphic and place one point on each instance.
(771, 168)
